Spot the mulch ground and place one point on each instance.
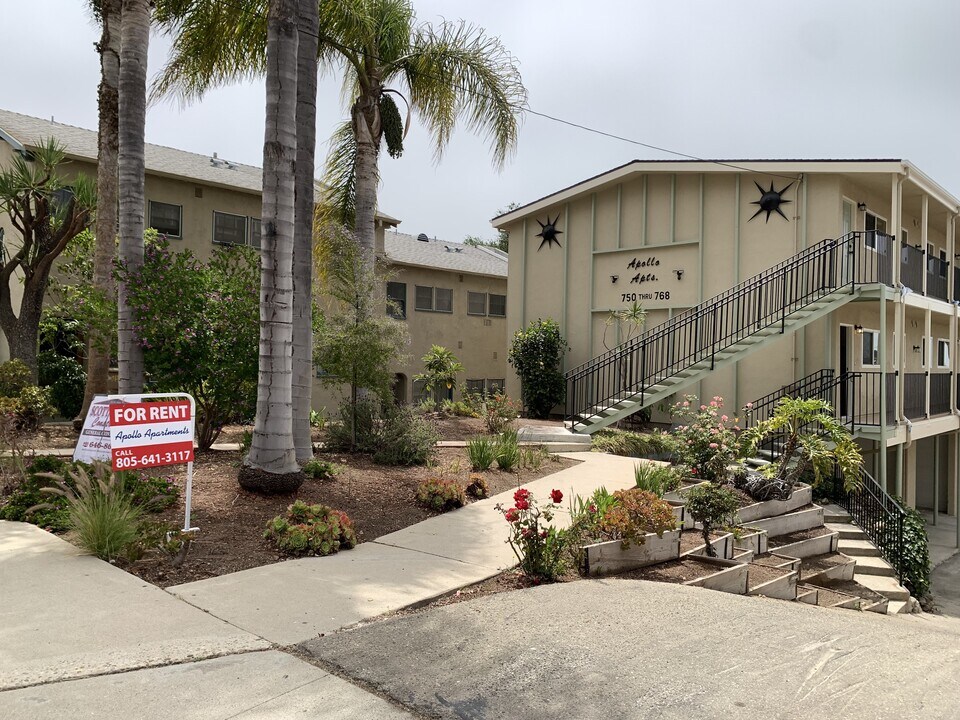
(378, 499)
(675, 571)
(760, 574)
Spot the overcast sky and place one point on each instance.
(710, 78)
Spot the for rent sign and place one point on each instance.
(149, 434)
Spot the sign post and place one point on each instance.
(152, 430)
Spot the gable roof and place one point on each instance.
(405, 249)
(81, 144)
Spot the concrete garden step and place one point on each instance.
(886, 586)
(791, 522)
(802, 495)
(874, 566)
(829, 566)
(899, 607)
(858, 548)
(847, 531)
(806, 543)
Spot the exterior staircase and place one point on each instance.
(727, 328)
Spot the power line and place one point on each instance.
(530, 111)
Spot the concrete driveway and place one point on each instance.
(633, 649)
(945, 587)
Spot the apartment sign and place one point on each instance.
(151, 434)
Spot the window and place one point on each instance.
(943, 353)
(434, 299)
(397, 300)
(229, 229)
(873, 224)
(255, 232)
(476, 303)
(165, 218)
(484, 304)
(475, 386)
(871, 348)
(495, 385)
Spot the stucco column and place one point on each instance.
(927, 351)
(924, 221)
(910, 475)
(936, 477)
(882, 464)
(952, 470)
(898, 475)
(895, 184)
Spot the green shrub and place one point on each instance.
(406, 439)
(481, 452)
(320, 469)
(915, 556)
(440, 495)
(657, 479)
(66, 379)
(28, 408)
(14, 377)
(318, 418)
(152, 493)
(497, 410)
(713, 506)
(311, 530)
(478, 487)
(633, 444)
(535, 354)
(246, 440)
(366, 415)
(101, 511)
(460, 408)
(507, 450)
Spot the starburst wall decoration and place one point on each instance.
(549, 233)
(770, 201)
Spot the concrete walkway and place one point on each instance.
(81, 638)
(294, 601)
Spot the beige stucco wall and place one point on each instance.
(479, 342)
(700, 223)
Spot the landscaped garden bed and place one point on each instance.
(692, 543)
(612, 557)
(805, 543)
(705, 572)
(773, 582)
(831, 566)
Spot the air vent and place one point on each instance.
(422, 237)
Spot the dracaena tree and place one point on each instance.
(46, 214)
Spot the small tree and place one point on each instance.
(442, 367)
(48, 214)
(355, 340)
(628, 321)
(713, 506)
(814, 443)
(197, 325)
(536, 354)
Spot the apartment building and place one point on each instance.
(201, 202)
(832, 278)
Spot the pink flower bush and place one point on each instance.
(708, 443)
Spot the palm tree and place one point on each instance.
(308, 32)
(98, 344)
(271, 464)
(134, 41)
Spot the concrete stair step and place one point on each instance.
(835, 514)
(874, 566)
(847, 530)
(858, 548)
(886, 586)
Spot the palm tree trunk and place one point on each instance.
(98, 342)
(272, 450)
(366, 130)
(308, 30)
(134, 41)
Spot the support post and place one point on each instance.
(883, 392)
(936, 478)
(898, 476)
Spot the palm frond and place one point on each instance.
(214, 44)
(456, 72)
(339, 177)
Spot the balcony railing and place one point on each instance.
(937, 278)
(862, 397)
(915, 395)
(939, 393)
(911, 268)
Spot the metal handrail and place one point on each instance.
(698, 334)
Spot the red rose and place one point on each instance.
(521, 494)
(522, 505)
(511, 515)
(556, 496)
